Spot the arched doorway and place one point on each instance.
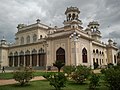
(16, 59)
(60, 55)
(27, 58)
(34, 57)
(42, 61)
(11, 59)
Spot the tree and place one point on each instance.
(23, 75)
(59, 65)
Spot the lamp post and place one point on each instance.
(75, 38)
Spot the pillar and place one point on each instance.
(13, 61)
(37, 59)
(24, 61)
(18, 61)
(30, 60)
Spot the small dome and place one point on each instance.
(3, 39)
(93, 23)
(110, 40)
(72, 9)
(38, 20)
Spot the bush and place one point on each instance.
(94, 81)
(112, 78)
(103, 71)
(110, 65)
(23, 75)
(58, 80)
(96, 65)
(68, 70)
(80, 74)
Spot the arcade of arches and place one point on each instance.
(27, 59)
(39, 59)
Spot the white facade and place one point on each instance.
(40, 45)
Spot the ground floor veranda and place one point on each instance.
(28, 60)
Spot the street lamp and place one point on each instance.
(75, 38)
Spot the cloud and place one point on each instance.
(13, 12)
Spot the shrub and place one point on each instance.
(103, 71)
(110, 65)
(81, 74)
(23, 75)
(94, 81)
(112, 78)
(68, 70)
(58, 80)
(59, 65)
(96, 65)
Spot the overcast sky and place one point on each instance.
(13, 12)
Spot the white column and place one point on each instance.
(24, 61)
(37, 60)
(13, 61)
(91, 56)
(18, 61)
(30, 60)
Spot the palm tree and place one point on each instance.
(59, 64)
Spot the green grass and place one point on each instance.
(6, 75)
(10, 75)
(44, 85)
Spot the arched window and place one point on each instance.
(96, 50)
(69, 17)
(41, 37)
(22, 40)
(34, 38)
(84, 55)
(10, 54)
(27, 52)
(100, 52)
(73, 16)
(115, 59)
(93, 51)
(28, 39)
(60, 55)
(34, 51)
(41, 50)
(21, 53)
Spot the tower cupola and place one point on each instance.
(94, 26)
(72, 16)
(3, 41)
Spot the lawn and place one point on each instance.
(6, 75)
(10, 74)
(44, 85)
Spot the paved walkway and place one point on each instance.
(12, 81)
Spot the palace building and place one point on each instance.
(39, 45)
